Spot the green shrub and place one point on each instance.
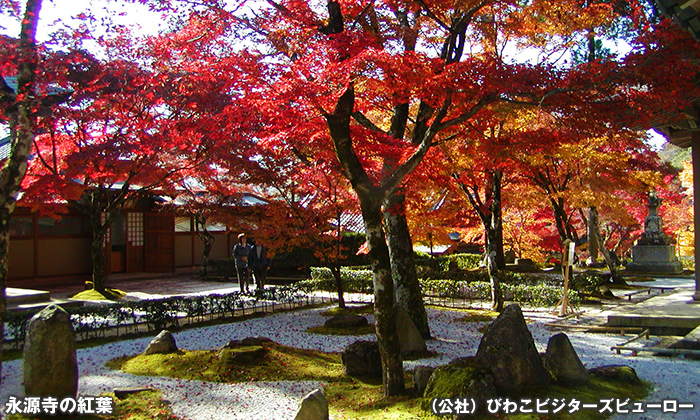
(93, 321)
(588, 283)
(541, 294)
(354, 281)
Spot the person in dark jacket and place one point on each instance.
(241, 252)
(258, 263)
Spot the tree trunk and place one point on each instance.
(99, 232)
(371, 199)
(208, 240)
(610, 261)
(495, 257)
(491, 216)
(592, 227)
(22, 126)
(335, 269)
(495, 236)
(496, 295)
(560, 219)
(403, 267)
(384, 298)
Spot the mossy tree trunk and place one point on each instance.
(403, 267)
(371, 199)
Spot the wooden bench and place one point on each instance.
(648, 290)
(636, 292)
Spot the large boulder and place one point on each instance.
(410, 339)
(362, 358)
(162, 343)
(314, 406)
(508, 350)
(466, 378)
(50, 363)
(346, 321)
(563, 362)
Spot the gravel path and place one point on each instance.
(673, 378)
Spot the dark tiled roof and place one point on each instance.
(685, 12)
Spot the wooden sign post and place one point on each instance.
(568, 261)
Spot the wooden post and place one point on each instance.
(568, 260)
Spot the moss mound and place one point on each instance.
(476, 315)
(278, 363)
(363, 330)
(92, 294)
(147, 405)
(350, 310)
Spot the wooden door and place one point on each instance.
(159, 242)
(134, 242)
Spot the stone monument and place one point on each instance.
(654, 251)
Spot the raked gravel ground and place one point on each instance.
(672, 378)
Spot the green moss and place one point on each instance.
(353, 398)
(147, 405)
(92, 294)
(477, 315)
(363, 330)
(280, 363)
(452, 381)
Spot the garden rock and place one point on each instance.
(242, 355)
(508, 350)
(561, 359)
(346, 321)
(50, 363)
(122, 393)
(162, 343)
(362, 358)
(314, 406)
(248, 341)
(410, 339)
(421, 376)
(620, 373)
(470, 378)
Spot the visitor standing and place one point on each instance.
(258, 263)
(241, 252)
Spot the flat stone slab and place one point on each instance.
(669, 310)
(694, 336)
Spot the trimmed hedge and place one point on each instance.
(448, 262)
(354, 281)
(516, 287)
(541, 294)
(157, 314)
